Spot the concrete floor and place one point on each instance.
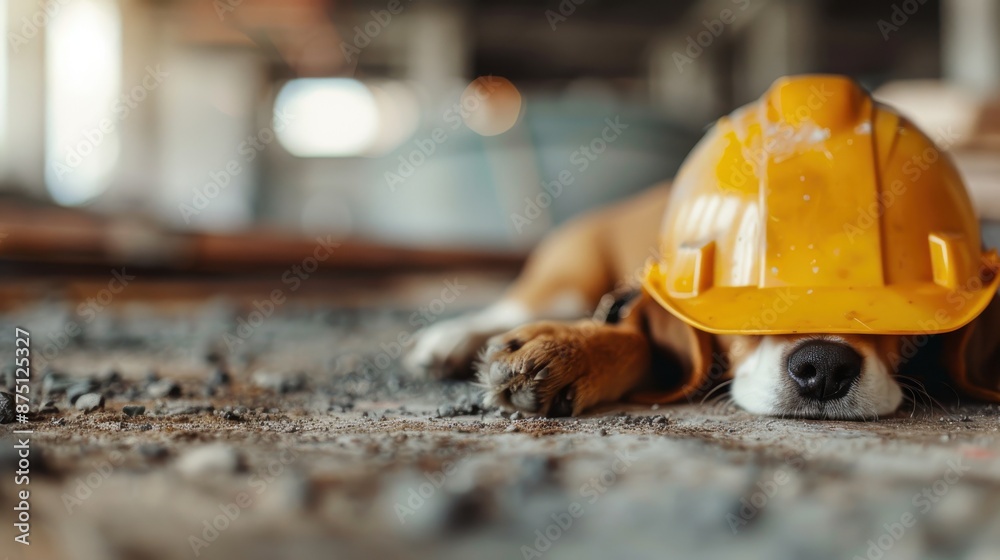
(320, 447)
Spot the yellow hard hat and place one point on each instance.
(817, 210)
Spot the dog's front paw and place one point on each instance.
(448, 349)
(534, 369)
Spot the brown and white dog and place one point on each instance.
(534, 353)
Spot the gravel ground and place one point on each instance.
(155, 437)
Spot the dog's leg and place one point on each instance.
(559, 369)
(564, 279)
(447, 349)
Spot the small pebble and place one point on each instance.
(464, 407)
(153, 450)
(230, 415)
(163, 389)
(184, 408)
(219, 378)
(134, 410)
(446, 411)
(214, 458)
(90, 402)
(55, 383)
(111, 378)
(512, 428)
(602, 432)
(79, 389)
(279, 383)
(516, 415)
(6, 408)
(49, 407)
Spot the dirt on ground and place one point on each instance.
(193, 430)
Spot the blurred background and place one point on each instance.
(172, 172)
(429, 124)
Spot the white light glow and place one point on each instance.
(399, 116)
(83, 82)
(329, 117)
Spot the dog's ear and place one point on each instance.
(971, 354)
(683, 365)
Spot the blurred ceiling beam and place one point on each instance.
(60, 238)
(300, 33)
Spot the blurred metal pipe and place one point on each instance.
(438, 49)
(970, 43)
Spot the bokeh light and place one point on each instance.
(490, 105)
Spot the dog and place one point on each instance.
(535, 352)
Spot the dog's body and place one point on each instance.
(538, 353)
(535, 364)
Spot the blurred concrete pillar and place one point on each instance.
(24, 142)
(970, 41)
(438, 50)
(210, 145)
(779, 42)
(689, 63)
(138, 179)
(685, 87)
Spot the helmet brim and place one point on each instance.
(902, 309)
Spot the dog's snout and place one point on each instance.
(824, 370)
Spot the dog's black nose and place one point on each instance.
(824, 370)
